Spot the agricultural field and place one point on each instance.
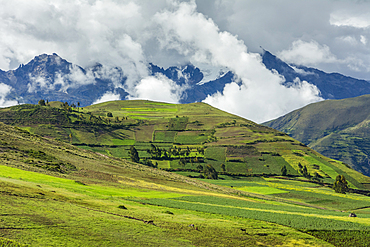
(72, 182)
(185, 138)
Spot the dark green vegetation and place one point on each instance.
(335, 128)
(55, 193)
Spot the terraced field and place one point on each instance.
(54, 193)
(187, 137)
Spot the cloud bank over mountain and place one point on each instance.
(220, 34)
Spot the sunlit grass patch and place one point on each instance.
(294, 216)
(191, 137)
(80, 189)
(123, 142)
(265, 190)
(159, 103)
(150, 109)
(162, 163)
(290, 182)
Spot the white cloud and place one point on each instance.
(302, 71)
(83, 32)
(129, 34)
(349, 39)
(113, 74)
(158, 88)
(107, 96)
(363, 39)
(307, 53)
(75, 78)
(261, 95)
(4, 92)
(345, 19)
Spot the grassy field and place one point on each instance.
(53, 193)
(99, 202)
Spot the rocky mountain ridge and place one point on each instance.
(55, 79)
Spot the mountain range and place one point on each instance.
(55, 79)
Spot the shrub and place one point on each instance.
(340, 185)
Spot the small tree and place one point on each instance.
(210, 172)
(134, 155)
(304, 171)
(200, 167)
(300, 166)
(340, 185)
(316, 177)
(223, 167)
(109, 114)
(284, 171)
(182, 162)
(42, 102)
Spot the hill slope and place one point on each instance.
(336, 128)
(53, 193)
(181, 138)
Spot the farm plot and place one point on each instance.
(216, 153)
(326, 200)
(288, 215)
(264, 190)
(239, 182)
(145, 133)
(164, 136)
(123, 142)
(238, 167)
(352, 182)
(121, 152)
(178, 123)
(191, 137)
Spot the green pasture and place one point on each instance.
(92, 190)
(216, 153)
(120, 152)
(164, 136)
(294, 216)
(265, 190)
(55, 223)
(299, 191)
(327, 200)
(123, 142)
(150, 109)
(41, 206)
(189, 137)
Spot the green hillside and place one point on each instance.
(53, 193)
(180, 138)
(335, 128)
